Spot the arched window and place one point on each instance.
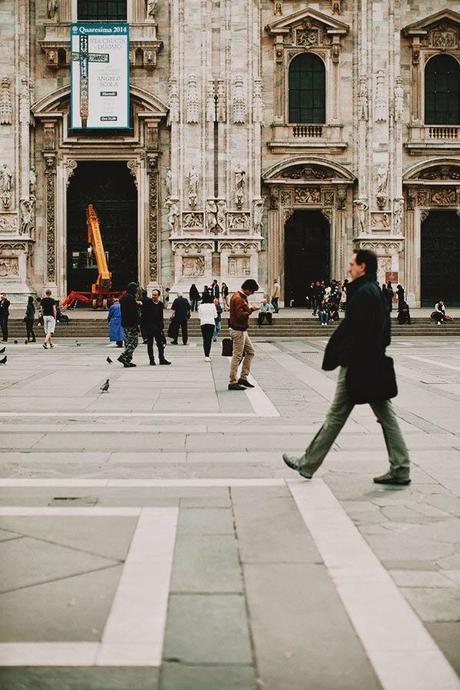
(102, 10)
(442, 91)
(307, 89)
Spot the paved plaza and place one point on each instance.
(151, 537)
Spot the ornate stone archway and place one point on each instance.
(304, 183)
(428, 185)
(57, 154)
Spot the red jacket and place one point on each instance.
(239, 312)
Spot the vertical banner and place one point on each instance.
(100, 76)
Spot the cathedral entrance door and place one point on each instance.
(307, 252)
(109, 186)
(440, 259)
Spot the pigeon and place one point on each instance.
(77, 343)
(15, 342)
(109, 361)
(2, 350)
(26, 342)
(3, 361)
(105, 386)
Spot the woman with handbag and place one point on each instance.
(366, 374)
(29, 320)
(208, 314)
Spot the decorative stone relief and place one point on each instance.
(70, 166)
(307, 37)
(239, 107)
(6, 108)
(398, 100)
(362, 208)
(382, 183)
(6, 185)
(27, 210)
(9, 266)
(193, 181)
(211, 216)
(133, 167)
(52, 7)
(240, 186)
(49, 136)
(286, 198)
(380, 108)
(274, 198)
(151, 8)
(193, 101)
(193, 266)
(327, 213)
(277, 8)
(341, 198)
(441, 172)
(336, 6)
(221, 216)
(8, 224)
(238, 221)
(258, 213)
(239, 266)
(173, 216)
(192, 221)
(398, 211)
(380, 221)
(327, 197)
(444, 197)
(310, 172)
(257, 104)
(307, 195)
(174, 111)
(443, 37)
(24, 102)
(154, 198)
(50, 174)
(363, 96)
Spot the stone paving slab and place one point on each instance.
(65, 678)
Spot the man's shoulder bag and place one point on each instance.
(371, 381)
(227, 347)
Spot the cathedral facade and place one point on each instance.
(267, 139)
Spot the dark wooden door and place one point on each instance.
(109, 186)
(440, 259)
(307, 250)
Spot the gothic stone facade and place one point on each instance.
(218, 167)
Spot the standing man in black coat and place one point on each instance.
(152, 324)
(130, 322)
(215, 290)
(358, 347)
(181, 314)
(4, 315)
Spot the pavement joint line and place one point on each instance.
(401, 651)
(434, 362)
(116, 483)
(134, 632)
(95, 414)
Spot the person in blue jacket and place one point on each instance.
(116, 332)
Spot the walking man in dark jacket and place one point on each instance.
(152, 324)
(130, 322)
(358, 347)
(181, 314)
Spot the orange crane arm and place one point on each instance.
(104, 279)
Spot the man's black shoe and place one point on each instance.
(174, 342)
(129, 365)
(390, 479)
(235, 387)
(293, 464)
(245, 383)
(152, 362)
(121, 359)
(164, 361)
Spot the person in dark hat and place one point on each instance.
(130, 322)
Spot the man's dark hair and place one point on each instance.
(366, 256)
(250, 284)
(157, 291)
(207, 299)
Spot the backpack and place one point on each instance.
(227, 347)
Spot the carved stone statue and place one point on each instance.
(173, 101)
(32, 181)
(211, 216)
(173, 217)
(151, 8)
(52, 8)
(361, 211)
(363, 99)
(168, 183)
(193, 182)
(221, 216)
(26, 206)
(382, 180)
(240, 186)
(6, 185)
(399, 100)
(398, 210)
(258, 213)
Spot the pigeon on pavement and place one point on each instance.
(105, 386)
(109, 361)
(3, 361)
(2, 350)
(77, 343)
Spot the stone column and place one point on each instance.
(410, 277)
(50, 176)
(274, 268)
(153, 220)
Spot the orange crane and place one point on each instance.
(100, 290)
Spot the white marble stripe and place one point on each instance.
(48, 653)
(403, 654)
(121, 483)
(134, 632)
(260, 402)
(96, 413)
(433, 362)
(72, 511)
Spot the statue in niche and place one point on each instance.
(221, 216)
(398, 211)
(211, 216)
(151, 8)
(52, 8)
(361, 211)
(168, 183)
(173, 217)
(258, 214)
(240, 186)
(193, 182)
(26, 206)
(382, 180)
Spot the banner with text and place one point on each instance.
(100, 76)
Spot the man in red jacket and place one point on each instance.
(243, 349)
